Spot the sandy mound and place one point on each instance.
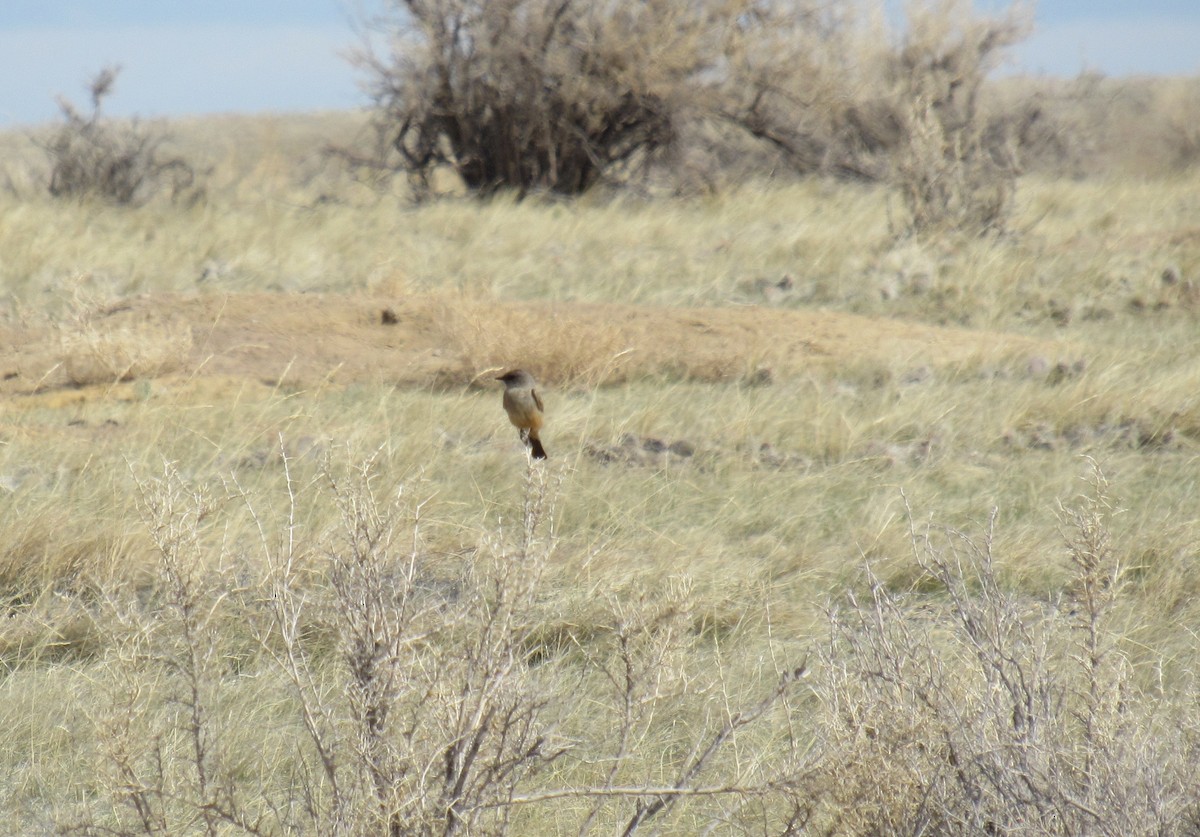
(307, 340)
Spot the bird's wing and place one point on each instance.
(537, 399)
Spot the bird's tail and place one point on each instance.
(539, 452)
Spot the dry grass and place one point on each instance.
(490, 337)
(180, 642)
(91, 355)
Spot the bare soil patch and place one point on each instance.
(309, 340)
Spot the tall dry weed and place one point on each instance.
(439, 720)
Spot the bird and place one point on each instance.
(524, 408)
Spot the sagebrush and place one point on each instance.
(93, 156)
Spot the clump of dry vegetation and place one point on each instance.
(1092, 124)
(573, 353)
(842, 95)
(92, 156)
(534, 94)
(953, 170)
(93, 353)
(422, 695)
(558, 96)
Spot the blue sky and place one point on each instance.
(183, 57)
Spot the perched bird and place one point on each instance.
(524, 408)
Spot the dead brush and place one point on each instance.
(955, 170)
(949, 179)
(169, 645)
(539, 96)
(435, 721)
(417, 697)
(983, 711)
(121, 163)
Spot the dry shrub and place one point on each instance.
(1140, 125)
(1090, 125)
(949, 180)
(805, 78)
(414, 709)
(540, 94)
(829, 89)
(1178, 102)
(557, 94)
(1052, 121)
(983, 712)
(954, 170)
(426, 696)
(95, 157)
(93, 352)
(416, 695)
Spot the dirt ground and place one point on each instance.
(306, 340)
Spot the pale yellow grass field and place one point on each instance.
(813, 372)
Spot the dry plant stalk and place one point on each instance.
(171, 778)
(956, 169)
(439, 722)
